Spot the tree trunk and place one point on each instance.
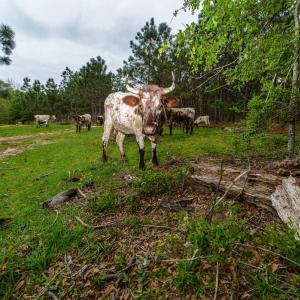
(293, 102)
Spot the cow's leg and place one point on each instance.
(141, 144)
(191, 126)
(171, 126)
(187, 127)
(153, 148)
(108, 128)
(89, 126)
(120, 140)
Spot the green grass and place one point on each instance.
(14, 130)
(36, 236)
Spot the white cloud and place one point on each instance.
(51, 35)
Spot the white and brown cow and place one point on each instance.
(82, 120)
(204, 119)
(185, 116)
(41, 120)
(100, 120)
(137, 112)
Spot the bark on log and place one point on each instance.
(247, 194)
(277, 194)
(286, 200)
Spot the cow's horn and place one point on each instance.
(171, 88)
(129, 88)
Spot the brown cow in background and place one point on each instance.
(100, 120)
(185, 116)
(81, 120)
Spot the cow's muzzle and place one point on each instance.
(150, 130)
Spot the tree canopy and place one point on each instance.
(7, 43)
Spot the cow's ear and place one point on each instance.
(131, 100)
(171, 101)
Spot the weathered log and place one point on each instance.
(209, 168)
(286, 200)
(62, 197)
(247, 193)
(286, 167)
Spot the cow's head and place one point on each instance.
(53, 118)
(77, 119)
(151, 102)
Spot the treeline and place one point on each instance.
(78, 92)
(155, 54)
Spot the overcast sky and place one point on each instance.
(53, 34)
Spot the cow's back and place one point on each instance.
(87, 117)
(182, 113)
(123, 117)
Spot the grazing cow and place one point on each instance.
(186, 116)
(81, 120)
(100, 120)
(137, 112)
(204, 119)
(43, 120)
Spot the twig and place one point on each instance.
(200, 85)
(217, 88)
(96, 226)
(162, 227)
(194, 255)
(43, 176)
(67, 265)
(183, 259)
(245, 182)
(221, 67)
(272, 83)
(217, 282)
(249, 265)
(57, 212)
(52, 295)
(44, 290)
(270, 251)
(81, 193)
(115, 224)
(230, 186)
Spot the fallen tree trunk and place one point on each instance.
(242, 193)
(286, 200)
(252, 186)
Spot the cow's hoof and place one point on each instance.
(155, 163)
(104, 158)
(142, 167)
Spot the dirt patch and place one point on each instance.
(14, 151)
(11, 139)
(17, 147)
(10, 152)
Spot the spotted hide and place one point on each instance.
(204, 119)
(137, 112)
(41, 120)
(185, 116)
(82, 120)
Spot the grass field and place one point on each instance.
(34, 241)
